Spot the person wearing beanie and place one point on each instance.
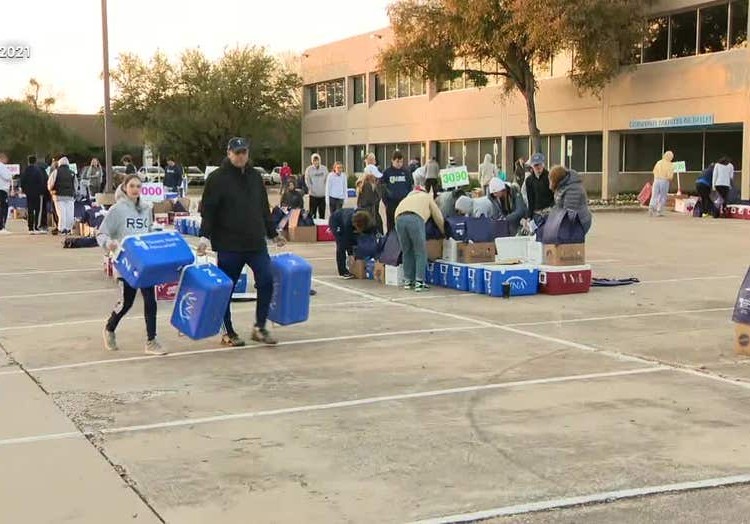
(503, 201)
(570, 193)
(538, 194)
(465, 206)
(412, 214)
(487, 171)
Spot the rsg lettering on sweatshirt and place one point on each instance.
(136, 223)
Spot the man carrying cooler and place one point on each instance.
(236, 220)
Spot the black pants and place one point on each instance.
(317, 207)
(342, 251)
(390, 215)
(336, 204)
(34, 208)
(3, 209)
(705, 193)
(724, 193)
(432, 184)
(126, 302)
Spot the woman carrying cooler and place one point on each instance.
(129, 216)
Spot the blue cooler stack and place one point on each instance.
(523, 280)
(370, 269)
(201, 302)
(475, 275)
(153, 258)
(458, 277)
(292, 280)
(441, 273)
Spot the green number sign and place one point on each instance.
(454, 177)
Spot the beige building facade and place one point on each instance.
(688, 91)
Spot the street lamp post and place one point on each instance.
(107, 110)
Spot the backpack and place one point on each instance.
(78, 242)
(563, 226)
(698, 210)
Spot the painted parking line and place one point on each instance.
(51, 272)
(594, 498)
(622, 317)
(379, 334)
(58, 294)
(41, 438)
(692, 279)
(376, 400)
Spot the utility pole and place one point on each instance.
(107, 110)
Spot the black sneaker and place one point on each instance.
(264, 337)
(347, 276)
(420, 286)
(232, 340)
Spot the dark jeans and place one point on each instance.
(317, 207)
(704, 192)
(3, 209)
(232, 263)
(411, 236)
(724, 193)
(390, 214)
(35, 211)
(336, 204)
(342, 250)
(433, 184)
(126, 302)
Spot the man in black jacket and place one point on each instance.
(236, 220)
(538, 193)
(34, 186)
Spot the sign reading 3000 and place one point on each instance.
(454, 177)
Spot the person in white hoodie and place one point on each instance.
(6, 181)
(487, 171)
(722, 180)
(316, 176)
(336, 188)
(129, 216)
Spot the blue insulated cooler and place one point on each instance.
(523, 280)
(458, 277)
(153, 258)
(202, 299)
(475, 276)
(292, 280)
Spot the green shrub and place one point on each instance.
(352, 181)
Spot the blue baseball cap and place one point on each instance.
(537, 159)
(238, 144)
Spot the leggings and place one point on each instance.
(126, 302)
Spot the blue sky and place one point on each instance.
(65, 36)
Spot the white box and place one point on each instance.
(524, 249)
(450, 250)
(394, 275)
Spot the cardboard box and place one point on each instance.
(379, 273)
(358, 268)
(105, 199)
(564, 255)
(163, 207)
(394, 275)
(185, 203)
(161, 219)
(434, 250)
(20, 213)
(174, 215)
(742, 339)
(306, 234)
(477, 253)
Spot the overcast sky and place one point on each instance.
(65, 36)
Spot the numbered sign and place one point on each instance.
(679, 167)
(454, 177)
(152, 192)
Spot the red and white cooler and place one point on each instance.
(323, 231)
(167, 291)
(564, 280)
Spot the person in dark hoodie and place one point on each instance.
(538, 194)
(396, 183)
(569, 194)
(173, 175)
(34, 186)
(347, 224)
(129, 216)
(236, 221)
(62, 185)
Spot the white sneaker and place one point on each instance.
(5, 232)
(154, 348)
(110, 341)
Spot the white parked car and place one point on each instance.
(269, 179)
(151, 173)
(194, 174)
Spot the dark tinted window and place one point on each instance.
(684, 27)
(642, 151)
(724, 143)
(594, 153)
(655, 43)
(713, 29)
(358, 85)
(578, 160)
(738, 24)
(379, 87)
(687, 147)
(555, 143)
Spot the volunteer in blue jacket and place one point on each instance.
(173, 175)
(347, 224)
(703, 187)
(236, 221)
(397, 183)
(129, 216)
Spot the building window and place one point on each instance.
(417, 86)
(358, 154)
(738, 24)
(655, 45)
(389, 87)
(594, 152)
(724, 143)
(577, 161)
(687, 147)
(358, 89)
(471, 159)
(684, 27)
(379, 87)
(714, 29)
(327, 94)
(641, 151)
(521, 147)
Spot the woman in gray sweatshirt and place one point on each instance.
(129, 216)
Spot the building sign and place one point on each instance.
(673, 121)
(454, 177)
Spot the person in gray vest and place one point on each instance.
(316, 178)
(62, 186)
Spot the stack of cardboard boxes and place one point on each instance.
(564, 270)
